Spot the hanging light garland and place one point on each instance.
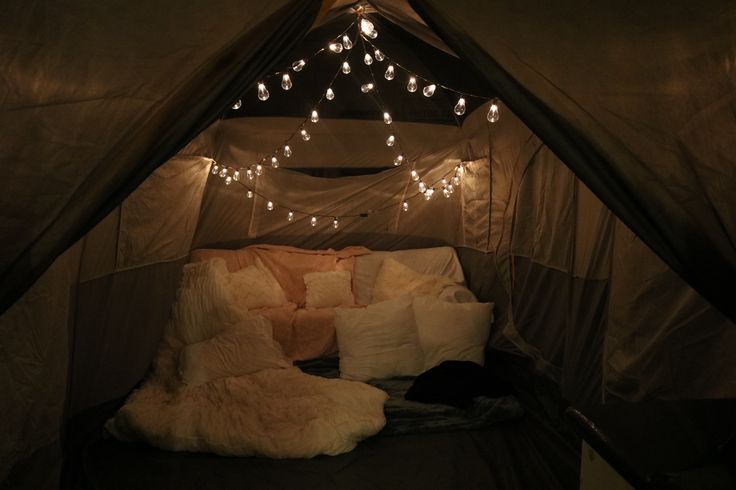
(366, 32)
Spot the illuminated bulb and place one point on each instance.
(286, 151)
(313, 221)
(390, 140)
(378, 54)
(336, 47)
(428, 91)
(238, 104)
(236, 176)
(450, 189)
(335, 223)
(228, 180)
(414, 175)
(422, 187)
(459, 169)
(269, 205)
(215, 169)
(493, 114)
(428, 194)
(368, 59)
(389, 75)
(286, 81)
(298, 65)
(446, 192)
(314, 117)
(460, 107)
(329, 95)
(249, 174)
(405, 206)
(259, 169)
(305, 134)
(223, 172)
(366, 87)
(456, 180)
(250, 194)
(274, 162)
(290, 216)
(412, 85)
(346, 42)
(398, 160)
(345, 67)
(262, 92)
(444, 182)
(366, 26)
(387, 118)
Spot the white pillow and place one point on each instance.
(378, 341)
(457, 294)
(395, 279)
(256, 287)
(452, 331)
(326, 289)
(231, 353)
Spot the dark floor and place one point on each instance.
(538, 451)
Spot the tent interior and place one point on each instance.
(596, 214)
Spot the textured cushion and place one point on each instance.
(255, 287)
(395, 279)
(325, 289)
(378, 341)
(452, 331)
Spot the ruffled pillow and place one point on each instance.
(256, 287)
(327, 289)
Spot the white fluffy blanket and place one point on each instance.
(278, 413)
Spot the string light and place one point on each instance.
(387, 118)
(286, 82)
(314, 117)
(346, 42)
(345, 67)
(398, 160)
(330, 94)
(368, 59)
(313, 221)
(366, 87)
(290, 216)
(259, 169)
(411, 86)
(238, 104)
(405, 206)
(378, 54)
(389, 75)
(390, 140)
(336, 47)
(269, 205)
(298, 65)
(460, 107)
(335, 223)
(287, 151)
(414, 175)
(305, 134)
(493, 114)
(428, 91)
(228, 180)
(236, 176)
(274, 162)
(250, 194)
(262, 92)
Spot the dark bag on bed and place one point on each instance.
(456, 383)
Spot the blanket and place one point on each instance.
(277, 412)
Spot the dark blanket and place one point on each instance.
(404, 416)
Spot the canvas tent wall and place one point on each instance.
(589, 301)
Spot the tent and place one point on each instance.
(597, 212)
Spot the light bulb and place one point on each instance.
(450, 189)
(262, 92)
(493, 114)
(428, 91)
(336, 47)
(286, 151)
(345, 67)
(346, 42)
(305, 134)
(459, 169)
(228, 180)
(298, 65)
(329, 95)
(405, 206)
(286, 81)
(290, 216)
(414, 175)
(460, 107)
(443, 182)
(428, 194)
(313, 221)
(456, 180)
(412, 85)
(335, 223)
(398, 160)
(446, 192)
(223, 172)
(269, 205)
(378, 54)
(389, 75)
(387, 118)
(422, 186)
(366, 87)
(366, 26)
(314, 117)
(368, 59)
(250, 194)
(249, 174)
(390, 140)
(259, 169)
(238, 104)
(274, 162)
(236, 176)
(215, 169)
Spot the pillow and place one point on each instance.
(232, 353)
(255, 287)
(457, 294)
(326, 289)
(395, 279)
(378, 341)
(452, 331)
